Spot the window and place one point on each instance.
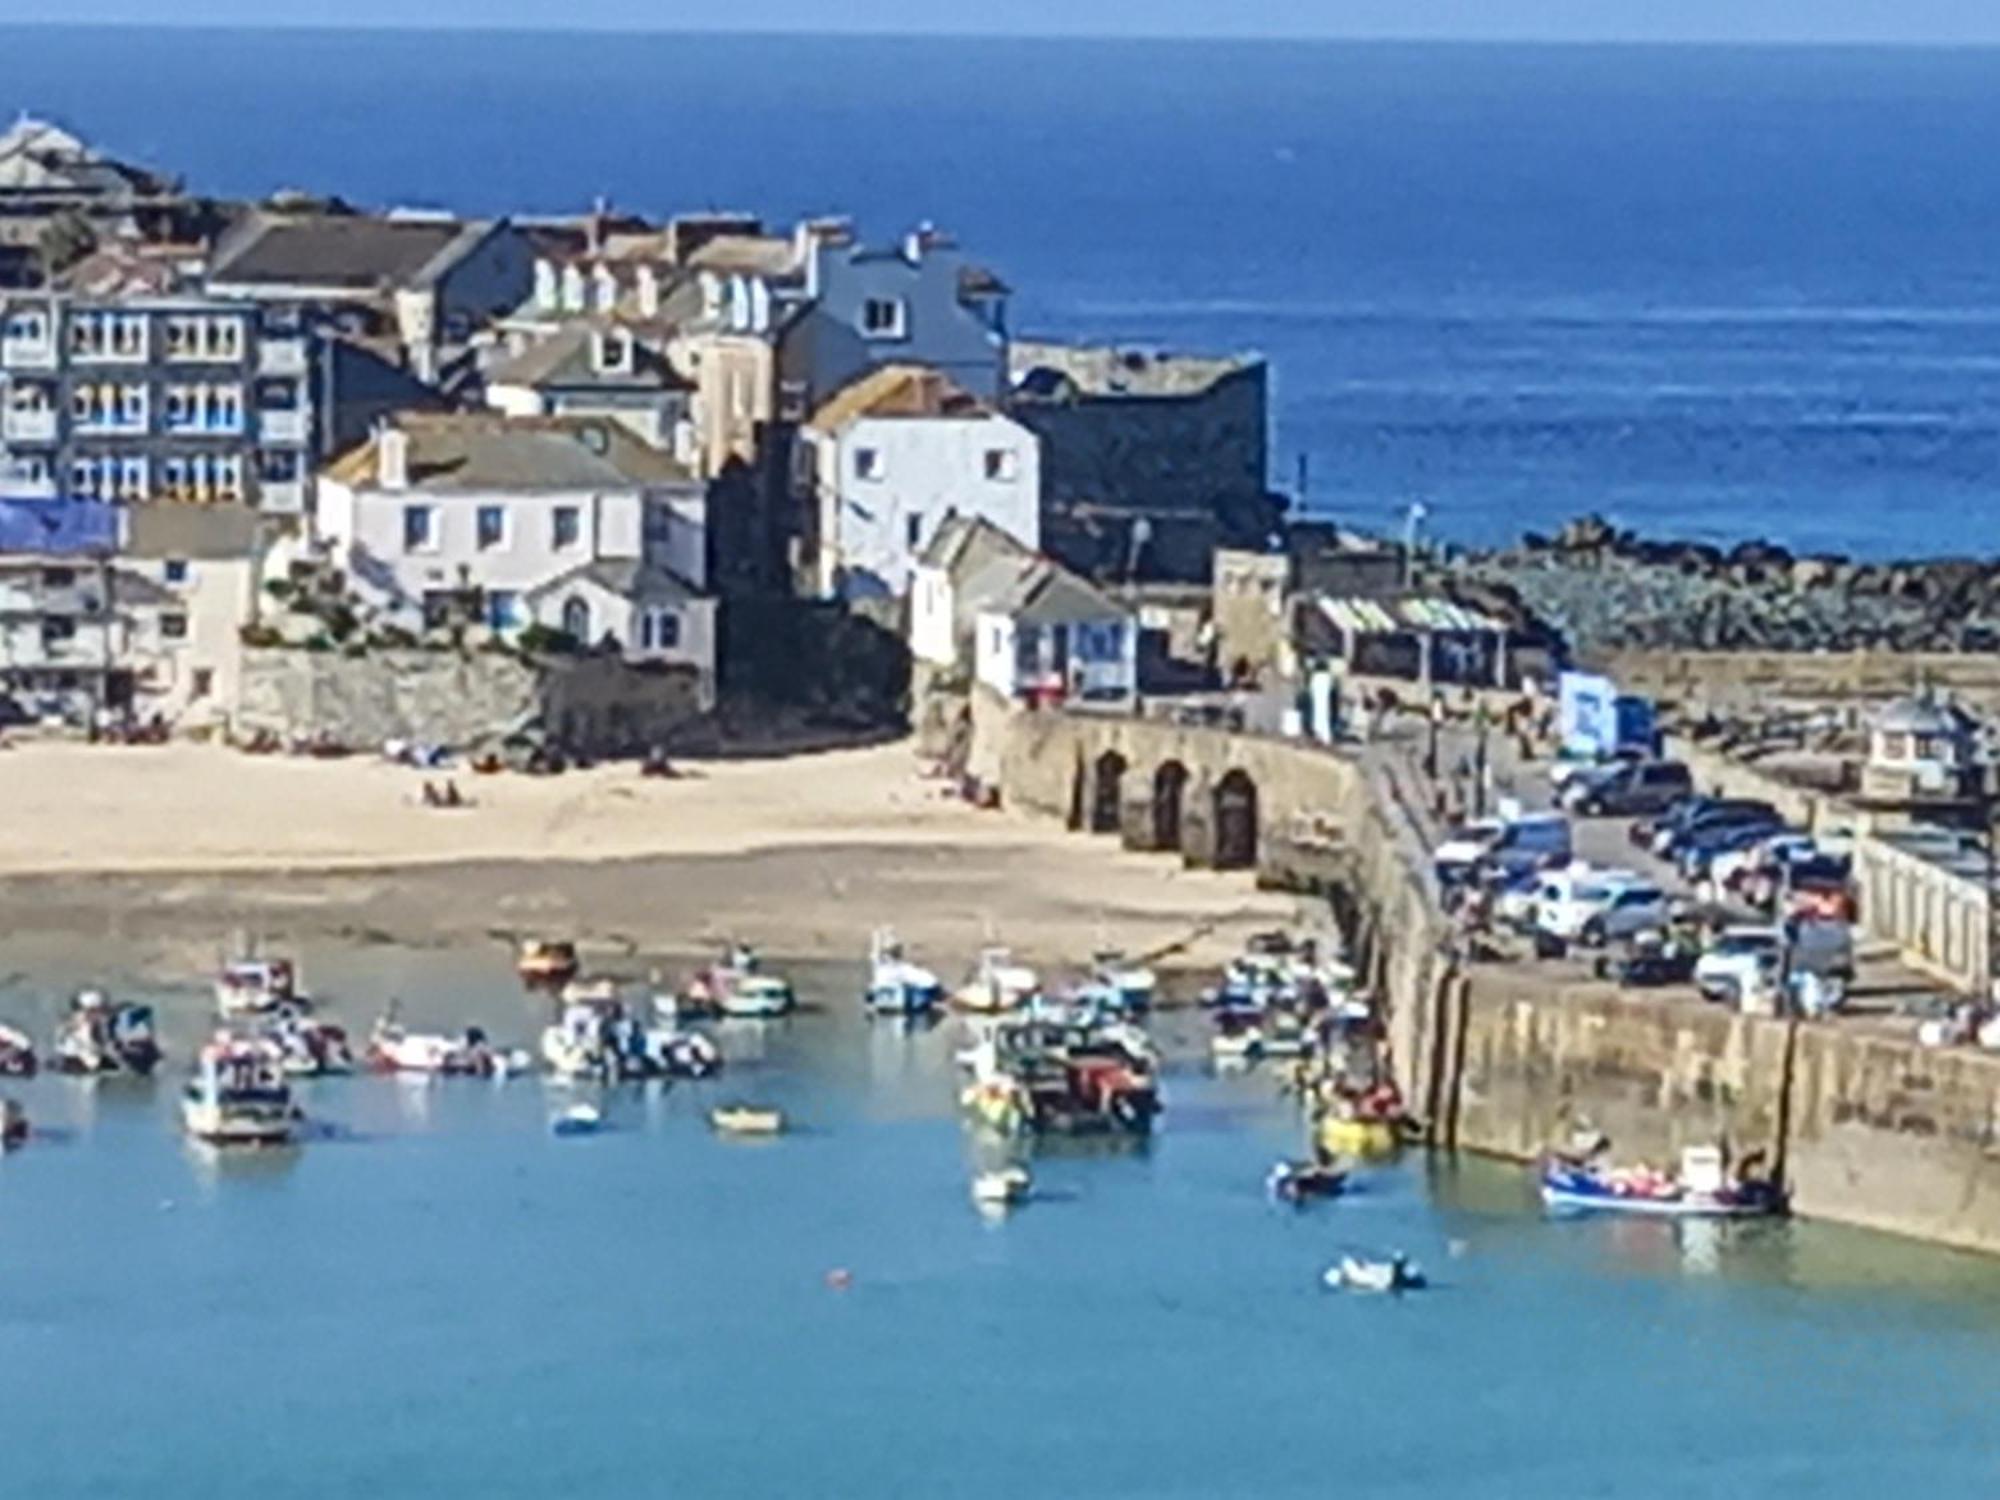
(503, 609)
(884, 318)
(566, 527)
(203, 682)
(913, 530)
(58, 578)
(868, 463)
(1000, 464)
(173, 627)
(492, 527)
(176, 570)
(278, 466)
(419, 528)
(659, 630)
(57, 628)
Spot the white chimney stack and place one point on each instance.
(392, 459)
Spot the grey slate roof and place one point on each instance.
(563, 361)
(480, 451)
(359, 251)
(627, 577)
(1046, 593)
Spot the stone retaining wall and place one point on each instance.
(598, 705)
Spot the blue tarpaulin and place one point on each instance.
(61, 527)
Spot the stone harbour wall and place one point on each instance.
(1869, 1129)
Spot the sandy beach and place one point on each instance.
(187, 845)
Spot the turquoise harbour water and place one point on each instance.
(443, 1298)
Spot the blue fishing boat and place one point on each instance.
(1701, 1189)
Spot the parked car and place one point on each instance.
(1734, 870)
(1534, 842)
(1735, 960)
(1464, 846)
(1718, 813)
(1634, 787)
(1704, 844)
(1567, 769)
(1600, 906)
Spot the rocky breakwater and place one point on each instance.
(1602, 588)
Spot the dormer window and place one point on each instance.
(885, 318)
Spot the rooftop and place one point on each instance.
(192, 531)
(38, 158)
(566, 358)
(897, 391)
(1044, 592)
(465, 452)
(1053, 371)
(362, 252)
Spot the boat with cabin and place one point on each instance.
(739, 986)
(1036, 1077)
(240, 1094)
(258, 987)
(17, 1053)
(1119, 985)
(997, 984)
(896, 986)
(313, 1048)
(1702, 1188)
(100, 1037)
(394, 1048)
(747, 1119)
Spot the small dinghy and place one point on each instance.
(1295, 1182)
(1353, 1274)
(1000, 1189)
(13, 1125)
(17, 1053)
(578, 1119)
(747, 1119)
(1701, 1190)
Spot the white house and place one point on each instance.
(888, 458)
(968, 563)
(1051, 637)
(572, 524)
(203, 564)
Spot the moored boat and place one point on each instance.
(1355, 1273)
(578, 1119)
(239, 1095)
(1118, 984)
(1702, 1188)
(17, 1053)
(739, 986)
(13, 1125)
(392, 1048)
(997, 984)
(257, 987)
(747, 1119)
(545, 961)
(1295, 1182)
(1001, 1188)
(896, 986)
(99, 1036)
(312, 1048)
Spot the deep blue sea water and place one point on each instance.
(443, 1299)
(1710, 291)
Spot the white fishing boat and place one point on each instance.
(17, 1053)
(896, 986)
(100, 1036)
(239, 1095)
(578, 1119)
(576, 1047)
(1120, 984)
(740, 987)
(1000, 1188)
(392, 1048)
(997, 984)
(258, 987)
(1354, 1274)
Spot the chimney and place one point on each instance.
(392, 458)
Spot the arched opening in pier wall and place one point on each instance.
(1169, 787)
(1235, 822)
(1107, 784)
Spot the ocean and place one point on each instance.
(441, 1298)
(1710, 292)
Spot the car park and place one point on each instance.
(1597, 906)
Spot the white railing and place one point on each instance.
(285, 497)
(281, 356)
(28, 354)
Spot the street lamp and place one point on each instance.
(1413, 518)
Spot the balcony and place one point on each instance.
(109, 424)
(29, 425)
(281, 356)
(282, 426)
(28, 354)
(131, 350)
(282, 497)
(205, 424)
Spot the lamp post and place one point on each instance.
(1413, 519)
